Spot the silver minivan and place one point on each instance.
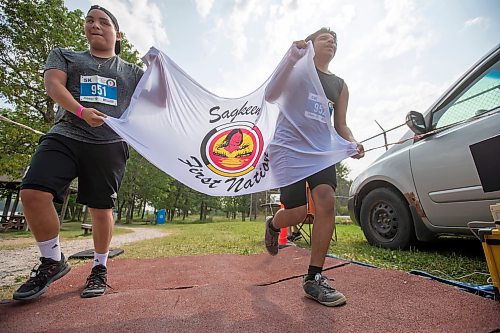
(446, 173)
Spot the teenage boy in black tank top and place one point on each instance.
(322, 184)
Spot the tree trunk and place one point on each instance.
(64, 207)
(49, 114)
(130, 210)
(127, 213)
(143, 209)
(79, 213)
(16, 203)
(131, 205)
(139, 207)
(8, 200)
(85, 214)
(70, 212)
(255, 209)
(120, 211)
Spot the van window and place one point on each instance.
(482, 96)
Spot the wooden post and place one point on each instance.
(64, 207)
(8, 200)
(85, 213)
(16, 203)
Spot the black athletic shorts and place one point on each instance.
(59, 159)
(294, 195)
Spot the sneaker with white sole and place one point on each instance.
(320, 291)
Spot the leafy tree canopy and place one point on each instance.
(29, 30)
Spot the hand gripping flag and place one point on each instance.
(224, 146)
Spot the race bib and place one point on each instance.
(98, 89)
(315, 109)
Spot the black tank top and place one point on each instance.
(332, 85)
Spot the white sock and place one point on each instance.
(50, 249)
(100, 259)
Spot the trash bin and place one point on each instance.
(490, 238)
(160, 216)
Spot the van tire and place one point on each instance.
(386, 220)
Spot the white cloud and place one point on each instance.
(233, 28)
(476, 21)
(345, 17)
(401, 29)
(283, 22)
(203, 7)
(257, 34)
(141, 21)
(286, 23)
(416, 71)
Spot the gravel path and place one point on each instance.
(14, 263)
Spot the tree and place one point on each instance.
(16, 144)
(342, 192)
(29, 30)
(244, 206)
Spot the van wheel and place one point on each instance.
(386, 220)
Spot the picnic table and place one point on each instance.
(87, 228)
(13, 222)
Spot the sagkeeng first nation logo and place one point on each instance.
(232, 149)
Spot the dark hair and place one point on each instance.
(228, 138)
(321, 31)
(115, 23)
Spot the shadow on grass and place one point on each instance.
(466, 246)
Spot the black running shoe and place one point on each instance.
(41, 277)
(271, 238)
(96, 282)
(296, 235)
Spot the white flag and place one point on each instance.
(219, 146)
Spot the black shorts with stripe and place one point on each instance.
(58, 160)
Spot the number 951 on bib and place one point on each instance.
(98, 89)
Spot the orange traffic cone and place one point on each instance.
(282, 241)
(283, 233)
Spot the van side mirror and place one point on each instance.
(416, 122)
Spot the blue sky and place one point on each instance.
(395, 55)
